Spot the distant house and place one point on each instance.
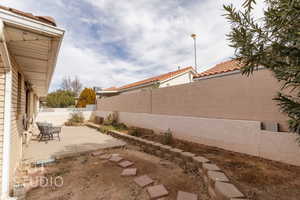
(222, 69)
(180, 76)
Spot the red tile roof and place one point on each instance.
(223, 67)
(152, 79)
(44, 19)
(156, 78)
(111, 88)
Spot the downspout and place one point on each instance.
(7, 115)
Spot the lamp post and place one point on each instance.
(195, 49)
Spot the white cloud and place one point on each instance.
(115, 42)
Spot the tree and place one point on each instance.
(66, 84)
(60, 99)
(87, 96)
(273, 42)
(76, 86)
(73, 85)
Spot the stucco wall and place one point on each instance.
(243, 136)
(228, 97)
(58, 118)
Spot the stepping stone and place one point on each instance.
(129, 172)
(98, 153)
(125, 164)
(200, 159)
(186, 196)
(105, 157)
(157, 191)
(115, 158)
(227, 191)
(217, 176)
(143, 180)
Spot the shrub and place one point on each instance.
(60, 99)
(76, 118)
(111, 119)
(105, 129)
(167, 138)
(120, 126)
(134, 132)
(87, 96)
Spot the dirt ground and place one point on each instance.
(91, 178)
(257, 178)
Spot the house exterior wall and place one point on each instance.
(182, 79)
(2, 87)
(17, 114)
(177, 80)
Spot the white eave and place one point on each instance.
(33, 46)
(107, 91)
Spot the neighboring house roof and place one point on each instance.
(111, 88)
(44, 19)
(157, 78)
(223, 67)
(152, 79)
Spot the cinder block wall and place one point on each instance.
(224, 112)
(229, 97)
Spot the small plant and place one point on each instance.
(120, 126)
(105, 129)
(76, 118)
(134, 132)
(167, 138)
(111, 119)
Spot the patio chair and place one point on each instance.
(47, 131)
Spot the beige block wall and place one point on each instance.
(229, 97)
(242, 136)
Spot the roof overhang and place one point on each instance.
(107, 91)
(33, 46)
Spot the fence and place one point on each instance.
(226, 112)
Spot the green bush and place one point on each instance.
(167, 138)
(105, 129)
(120, 126)
(60, 99)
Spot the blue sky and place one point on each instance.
(110, 43)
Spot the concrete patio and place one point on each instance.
(74, 140)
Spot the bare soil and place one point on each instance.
(257, 178)
(90, 178)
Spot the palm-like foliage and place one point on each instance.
(272, 41)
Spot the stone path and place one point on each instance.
(155, 191)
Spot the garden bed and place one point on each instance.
(89, 177)
(257, 178)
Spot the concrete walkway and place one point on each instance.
(73, 140)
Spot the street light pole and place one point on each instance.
(195, 50)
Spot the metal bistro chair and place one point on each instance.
(47, 131)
